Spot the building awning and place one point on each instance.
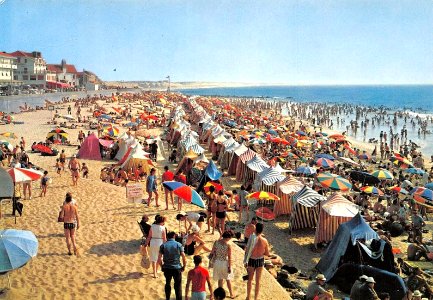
(57, 84)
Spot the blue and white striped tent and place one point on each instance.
(270, 176)
(253, 166)
(196, 148)
(305, 211)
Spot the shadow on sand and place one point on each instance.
(117, 277)
(116, 248)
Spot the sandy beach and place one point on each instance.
(108, 239)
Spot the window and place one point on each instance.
(32, 77)
(18, 59)
(25, 70)
(40, 77)
(25, 60)
(15, 77)
(25, 77)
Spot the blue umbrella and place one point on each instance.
(131, 124)
(104, 116)
(17, 247)
(306, 170)
(324, 155)
(273, 132)
(417, 171)
(172, 185)
(429, 185)
(299, 132)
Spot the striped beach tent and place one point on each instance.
(333, 212)
(235, 158)
(226, 155)
(223, 155)
(305, 209)
(241, 166)
(196, 148)
(285, 189)
(254, 166)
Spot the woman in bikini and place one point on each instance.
(221, 211)
(211, 209)
(70, 216)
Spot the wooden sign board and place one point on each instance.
(134, 193)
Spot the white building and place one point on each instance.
(8, 65)
(64, 74)
(31, 68)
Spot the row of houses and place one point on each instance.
(29, 68)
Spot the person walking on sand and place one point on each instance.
(167, 176)
(44, 184)
(254, 259)
(152, 187)
(62, 159)
(157, 236)
(58, 166)
(198, 276)
(74, 166)
(69, 214)
(169, 259)
(222, 261)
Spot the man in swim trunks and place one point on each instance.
(62, 159)
(75, 167)
(255, 252)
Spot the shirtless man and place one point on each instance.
(62, 159)
(254, 260)
(75, 167)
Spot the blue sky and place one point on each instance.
(283, 42)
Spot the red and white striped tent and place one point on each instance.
(333, 212)
(242, 163)
(285, 189)
(238, 151)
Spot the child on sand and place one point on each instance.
(85, 170)
(44, 184)
(58, 166)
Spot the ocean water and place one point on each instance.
(417, 100)
(413, 97)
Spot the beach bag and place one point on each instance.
(145, 262)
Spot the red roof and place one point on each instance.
(6, 55)
(58, 68)
(21, 53)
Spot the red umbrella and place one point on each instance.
(21, 174)
(218, 187)
(43, 149)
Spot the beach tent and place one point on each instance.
(333, 212)
(266, 180)
(223, 154)
(254, 166)
(350, 245)
(305, 209)
(201, 158)
(285, 189)
(241, 165)
(125, 142)
(90, 148)
(6, 184)
(137, 156)
(212, 171)
(235, 158)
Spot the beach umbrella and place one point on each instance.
(325, 163)
(364, 177)
(401, 162)
(324, 155)
(429, 185)
(423, 196)
(305, 170)
(184, 192)
(262, 195)
(9, 135)
(7, 145)
(17, 247)
(348, 161)
(130, 124)
(334, 182)
(21, 174)
(337, 136)
(299, 132)
(111, 131)
(218, 187)
(43, 149)
(57, 134)
(372, 190)
(105, 116)
(399, 190)
(382, 174)
(416, 171)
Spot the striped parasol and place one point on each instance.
(382, 174)
(423, 196)
(262, 195)
(334, 182)
(399, 190)
(218, 187)
(21, 174)
(325, 163)
(372, 190)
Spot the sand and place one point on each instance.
(108, 239)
